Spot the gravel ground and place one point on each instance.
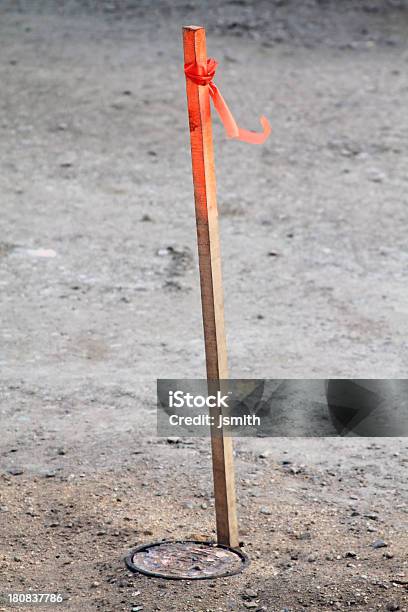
(100, 295)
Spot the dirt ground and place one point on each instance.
(100, 295)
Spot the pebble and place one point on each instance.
(372, 516)
(95, 584)
(250, 604)
(304, 536)
(379, 544)
(388, 555)
(188, 504)
(264, 455)
(250, 593)
(265, 510)
(393, 607)
(15, 471)
(376, 176)
(351, 554)
(254, 493)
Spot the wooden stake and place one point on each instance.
(212, 299)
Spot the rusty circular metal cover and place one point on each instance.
(186, 560)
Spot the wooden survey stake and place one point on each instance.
(210, 276)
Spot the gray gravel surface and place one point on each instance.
(100, 293)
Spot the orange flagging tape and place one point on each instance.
(203, 75)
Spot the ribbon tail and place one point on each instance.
(224, 112)
(230, 125)
(256, 137)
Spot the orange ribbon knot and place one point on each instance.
(203, 75)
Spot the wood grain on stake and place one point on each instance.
(210, 277)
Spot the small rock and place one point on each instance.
(265, 510)
(304, 536)
(250, 604)
(254, 493)
(17, 559)
(188, 504)
(67, 162)
(15, 471)
(264, 455)
(95, 584)
(250, 594)
(388, 555)
(393, 607)
(376, 176)
(351, 554)
(146, 219)
(379, 544)
(173, 440)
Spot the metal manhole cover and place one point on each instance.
(186, 560)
